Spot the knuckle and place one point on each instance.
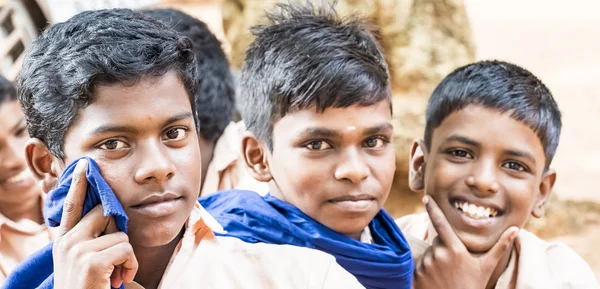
(69, 205)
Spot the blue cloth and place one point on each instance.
(247, 216)
(37, 271)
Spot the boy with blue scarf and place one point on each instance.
(317, 104)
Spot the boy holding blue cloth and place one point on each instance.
(111, 92)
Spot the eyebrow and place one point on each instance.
(329, 133)
(520, 154)
(128, 129)
(462, 139)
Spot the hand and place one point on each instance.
(448, 262)
(83, 258)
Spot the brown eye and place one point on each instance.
(515, 166)
(374, 142)
(461, 154)
(175, 134)
(113, 144)
(317, 145)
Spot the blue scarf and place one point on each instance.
(247, 216)
(37, 271)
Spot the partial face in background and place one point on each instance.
(16, 182)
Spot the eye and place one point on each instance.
(460, 153)
(113, 144)
(21, 132)
(175, 134)
(514, 166)
(375, 142)
(317, 145)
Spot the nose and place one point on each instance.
(155, 164)
(484, 178)
(352, 167)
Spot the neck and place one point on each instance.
(28, 209)
(502, 264)
(153, 262)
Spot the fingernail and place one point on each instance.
(425, 199)
(80, 167)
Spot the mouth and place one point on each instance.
(353, 203)
(476, 210)
(159, 205)
(21, 179)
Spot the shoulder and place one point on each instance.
(281, 266)
(415, 225)
(563, 265)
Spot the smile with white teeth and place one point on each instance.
(22, 176)
(474, 211)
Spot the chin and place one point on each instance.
(477, 243)
(154, 236)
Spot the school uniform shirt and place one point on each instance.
(534, 263)
(202, 260)
(20, 239)
(227, 169)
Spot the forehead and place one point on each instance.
(344, 119)
(137, 105)
(490, 128)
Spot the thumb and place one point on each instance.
(493, 256)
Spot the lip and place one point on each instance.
(353, 203)
(158, 205)
(17, 180)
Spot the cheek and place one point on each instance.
(118, 176)
(442, 176)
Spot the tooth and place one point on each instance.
(456, 205)
(487, 212)
(472, 209)
(494, 213)
(480, 211)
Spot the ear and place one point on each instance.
(416, 175)
(255, 156)
(539, 209)
(44, 166)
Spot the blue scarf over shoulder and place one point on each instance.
(37, 271)
(385, 264)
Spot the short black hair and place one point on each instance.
(215, 98)
(501, 86)
(65, 64)
(309, 56)
(7, 90)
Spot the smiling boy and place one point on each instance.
(118, 86)
(22, 228)
(492, 129)
(317, 104)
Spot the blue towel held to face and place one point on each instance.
(37, 271)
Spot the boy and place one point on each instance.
(316, 101)
(22, 228)
(118, 86)
(219, 138)
(492, 129)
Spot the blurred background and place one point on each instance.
(424, 40)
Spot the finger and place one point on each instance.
(120, 255)
(91, 226)
(104, 242)
(505, 242)
(115, 278)
(73, 204)
(441, 225)
(111, 227)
